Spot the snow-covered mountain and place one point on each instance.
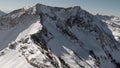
(2, 13)
(53, 37)
(113, 24)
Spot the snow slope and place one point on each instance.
(12, 59)
(53, 37)
(113, 24)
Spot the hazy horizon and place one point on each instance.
(104, 7)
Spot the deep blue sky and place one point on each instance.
(105, 7)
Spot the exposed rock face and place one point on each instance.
(53, 37)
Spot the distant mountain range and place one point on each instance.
(2, 13)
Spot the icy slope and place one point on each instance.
(53, 37)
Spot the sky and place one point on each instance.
(104, 7)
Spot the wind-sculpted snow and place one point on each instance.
(54, 37)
